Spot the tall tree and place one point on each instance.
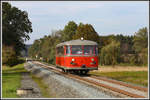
(69, 31)
(45, 47)
(87, 32)
(35, 49)
(140, 39)
(15, 27)
(141, 44)
(126, 44)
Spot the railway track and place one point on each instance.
(121, 83)
(115, 87)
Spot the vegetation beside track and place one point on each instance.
(43, 88)
(11, 80)
(135, 77)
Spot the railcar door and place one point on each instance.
(67, 52)
(63, 57)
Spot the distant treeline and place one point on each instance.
(113, 49)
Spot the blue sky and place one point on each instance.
(110, 17)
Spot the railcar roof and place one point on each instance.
(77, 42)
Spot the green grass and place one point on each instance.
(11, 80)
(135, 77)
(43, 88)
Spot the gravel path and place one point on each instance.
(27, 82)
(62, 87)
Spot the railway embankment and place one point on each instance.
(62, 87)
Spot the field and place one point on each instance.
(135, 75)
(11, 77)
(122, 68)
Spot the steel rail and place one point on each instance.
(120, 83)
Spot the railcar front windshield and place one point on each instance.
(84, 50)
(77, 49)
(88, 50)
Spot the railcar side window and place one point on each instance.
(76, 49)
(67, 49)
(88, 50)
(96, 50)
(60, 51)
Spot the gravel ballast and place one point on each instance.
(63, 87)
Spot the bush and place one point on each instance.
(9, 56)
(110, 53)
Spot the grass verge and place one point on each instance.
(11, 80)
(43, 88)
(135, 77)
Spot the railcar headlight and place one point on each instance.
(92, 59)
(73, 59)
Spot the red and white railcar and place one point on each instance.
(77, 55)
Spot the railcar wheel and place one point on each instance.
(71, 71)
(76, 72)
(84, 72)
(67, 71)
